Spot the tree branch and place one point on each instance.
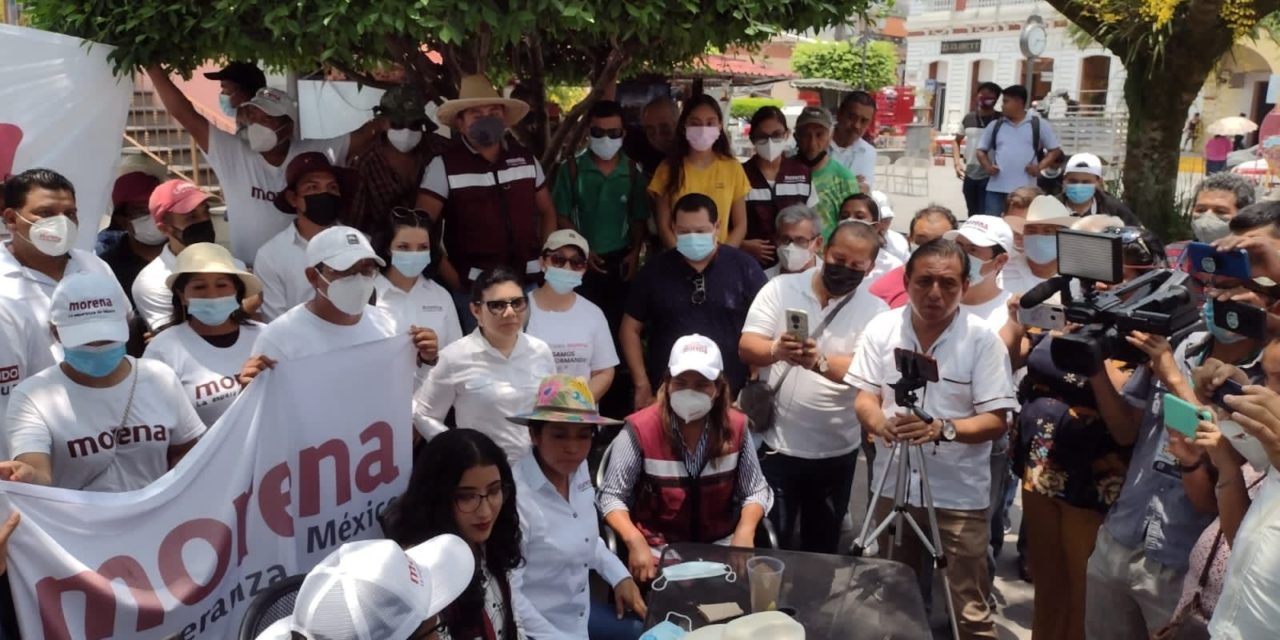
(362, 78)
(573, 123)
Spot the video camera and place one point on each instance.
(1158, 302)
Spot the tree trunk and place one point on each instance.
(1158, 103)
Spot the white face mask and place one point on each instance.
(350, 294)
(146, 231)
(794, 258)
(770, 150)
(404, 140)
(690, 405)
(262, 138)
(52, 236)
(605, 148)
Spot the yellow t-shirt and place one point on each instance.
(723, 181)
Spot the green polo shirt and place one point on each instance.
(602, 208)
(833, 183)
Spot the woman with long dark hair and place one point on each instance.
(702, 163)
(777, 182)
(462, 484)
(210, 336)
(690, 431)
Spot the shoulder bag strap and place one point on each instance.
(817, 333)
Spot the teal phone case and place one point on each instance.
(1182, 416)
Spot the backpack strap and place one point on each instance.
(1035, 137)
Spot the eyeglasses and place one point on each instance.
(803, 243)
(469, 502)
(498, 307)
(557, 260)
(597, 132)
(758, 138)
(699, 289)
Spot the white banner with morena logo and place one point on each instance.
(303, 461)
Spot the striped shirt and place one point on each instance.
(626, 463)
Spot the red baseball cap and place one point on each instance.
(311, 162)
(176, 196)
(133, 187)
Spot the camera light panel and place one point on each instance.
(1090, 256)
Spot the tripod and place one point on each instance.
(905, 396)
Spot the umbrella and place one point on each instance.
(1232, 126)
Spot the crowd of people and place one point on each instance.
(743, 324)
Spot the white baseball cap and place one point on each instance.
(1043, 210)
(696, 353)
(1085, 163)
(89, 307)
(372, 589)
(274, 102)
(985, 231)
(339, 248)
(566, 238)
(882, 201)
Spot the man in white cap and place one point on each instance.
(40, 218)
(374, 590)
(490, 191)
(99, 420)
(1039, 230)
(1082, 191)
(342, 268)
(989, 242)
(252, 170)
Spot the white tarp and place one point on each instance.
(62, 108)
(304, 460)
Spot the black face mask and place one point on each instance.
(840, 280)
(197, 233)
(323, 208)
(814, 162)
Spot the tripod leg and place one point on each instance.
(939, 556)
(863, 541)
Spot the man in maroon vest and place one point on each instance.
(490, 192)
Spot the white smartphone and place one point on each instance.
(1049, 317)
(798, 324)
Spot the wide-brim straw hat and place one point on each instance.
(563, 398)
(477, 91)
(207, 257)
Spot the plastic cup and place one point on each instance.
(765, 576)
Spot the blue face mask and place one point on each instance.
(668, 630)
(696, 246)
(695, 570)
(95, 362)
(212, 311)
(1079, 193)
(410, 263)
(1040, 249)
(975, 271)
(224, 101)
(562, 281)
(1219, 334)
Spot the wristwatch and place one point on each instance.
(948, 431)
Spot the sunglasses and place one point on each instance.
(597, 132)
(559, 261)
(699, 289)
(498, 307)
(418, 217)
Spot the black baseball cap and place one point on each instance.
(245, 74)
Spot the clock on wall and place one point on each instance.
(1034, 39)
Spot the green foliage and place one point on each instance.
(746, 107)
(574, 35)
(844, 61)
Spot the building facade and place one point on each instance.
(954, 45)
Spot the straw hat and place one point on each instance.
(206, 257)
(1043, 210)
(477, 91)
(563, 398)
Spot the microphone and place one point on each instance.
(1043, 291)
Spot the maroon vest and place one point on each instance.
(793, 186)
(670, 506)
(489, 218)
